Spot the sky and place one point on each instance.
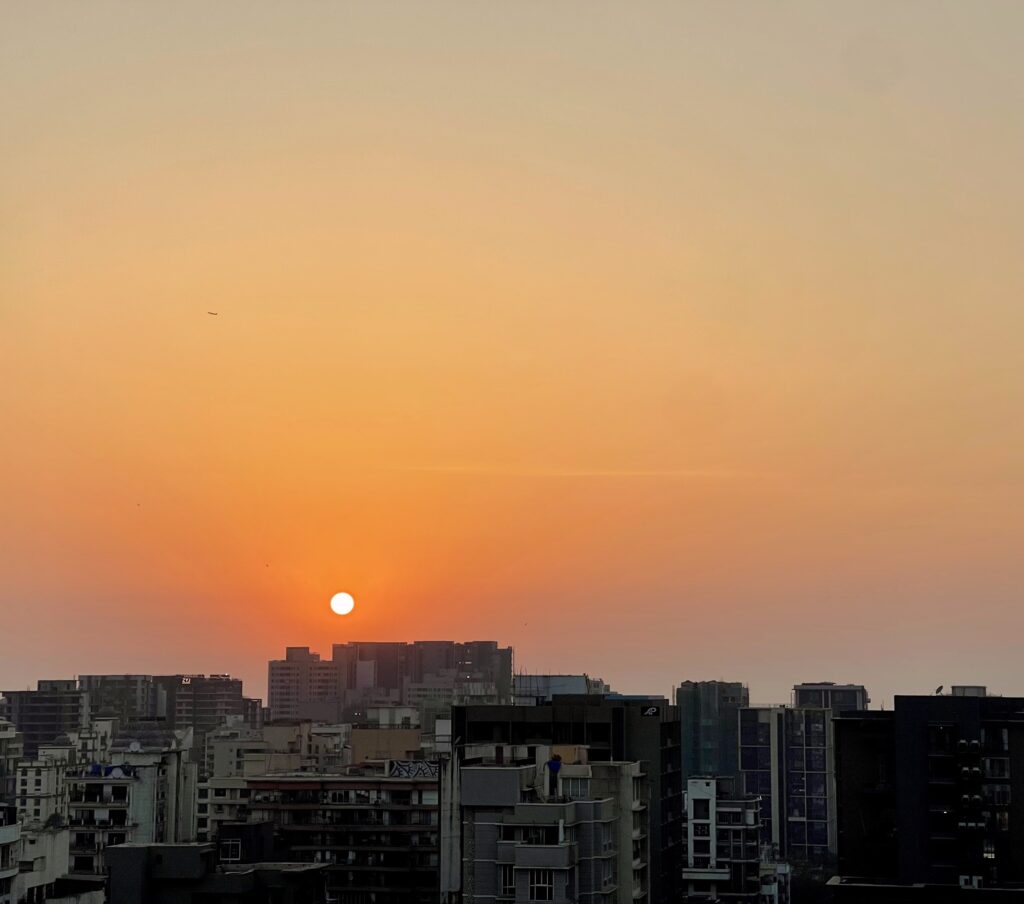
(662, 341)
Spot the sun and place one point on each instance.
(342, 603)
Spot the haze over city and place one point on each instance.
(659, 342)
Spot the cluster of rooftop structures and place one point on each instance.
(430, 772)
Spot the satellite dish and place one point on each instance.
(134, 747)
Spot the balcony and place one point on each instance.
(705, 874)
(545, 856)
(106, 803)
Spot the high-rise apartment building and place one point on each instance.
(709, 717)
(11, 750)
(787, 757)
(146, 793)
(612, 728)
(930, 801)
(724, 856)
(430, 675)
(10, 848)
(581, 836)
(125, 697)
(202, 703)
(300, 679)
(54, 708)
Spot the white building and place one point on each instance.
(147, 793)
(10, 850)
(43, 860)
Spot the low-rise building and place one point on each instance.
(376, 828)
(236, 752)
(172, 873)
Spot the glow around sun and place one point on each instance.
(342, 603)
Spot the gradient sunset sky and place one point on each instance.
(662, 341)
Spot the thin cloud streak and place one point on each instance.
(500, 471)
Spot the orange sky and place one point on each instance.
(662, 341)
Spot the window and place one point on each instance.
(508, 880)
(996, 794)
(542, 885)
(816, 760)
(607, 873)
(996, 767)
(576, 788)
(608, 837)
(995, 740)
(220, 792)
(701, 808)
(231, 850)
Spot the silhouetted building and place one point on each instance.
(839, 698)
(612, 728)
(429, 675)
(54, 708)
(709, 716)
(200, 702)
(931, 793)
(254, 712)
(127, 697)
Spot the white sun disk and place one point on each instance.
(342, 603)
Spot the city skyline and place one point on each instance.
(666, 344)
